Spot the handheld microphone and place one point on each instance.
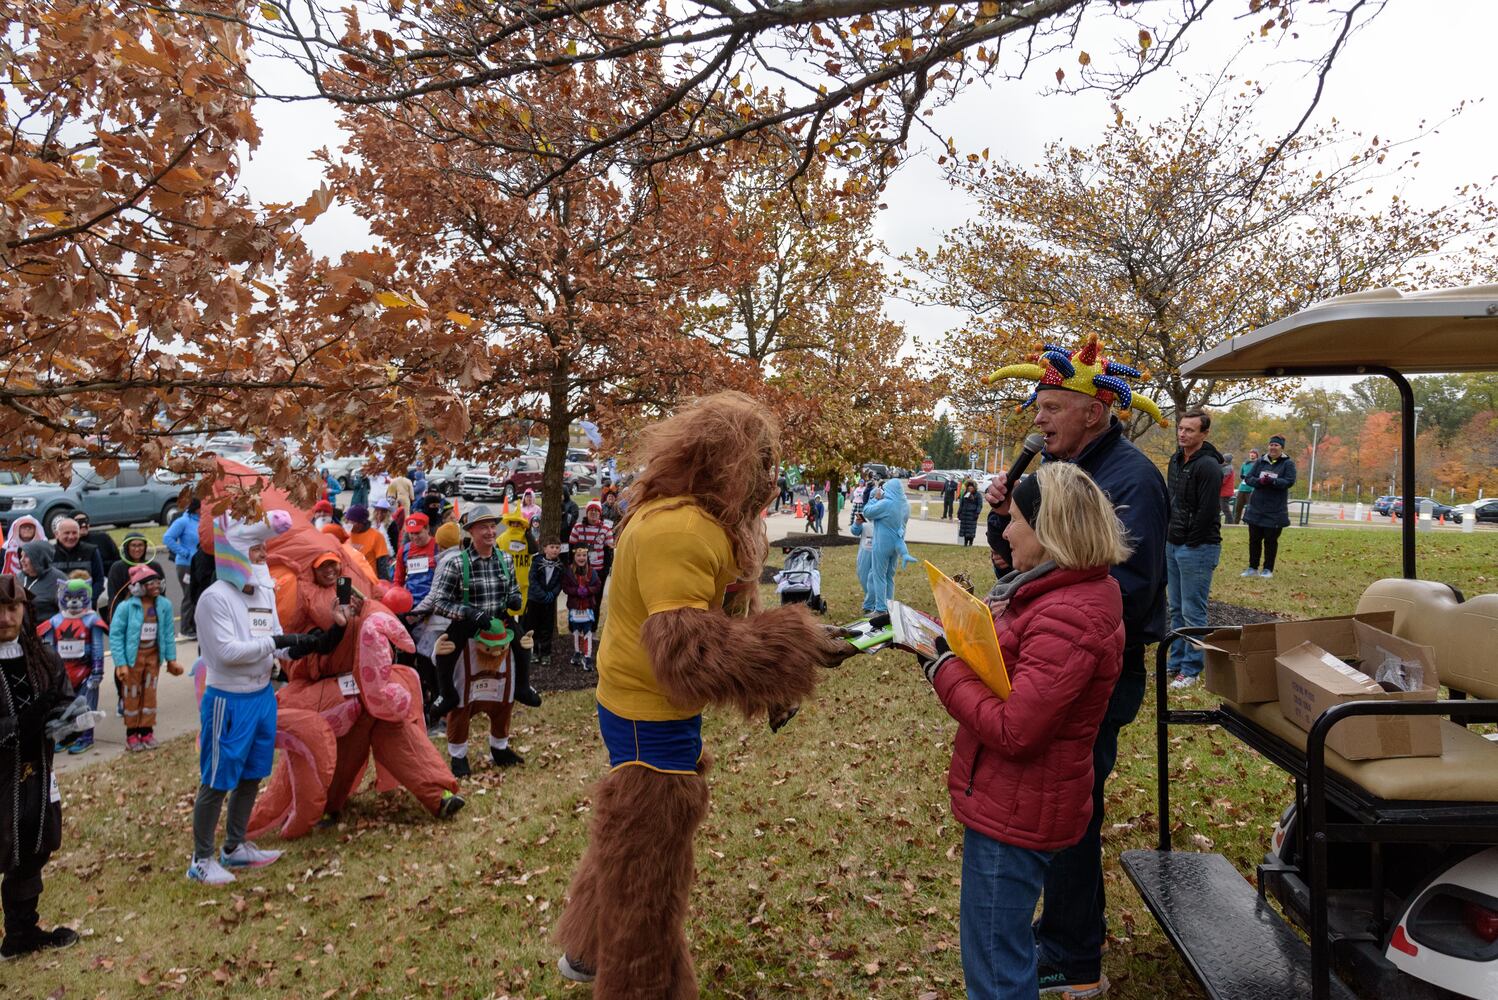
(1032, 446)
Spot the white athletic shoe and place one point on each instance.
(1249, 572)
(247, 855)
(574, 969)
(1266, 574)
(209, 872)
(1183, 681)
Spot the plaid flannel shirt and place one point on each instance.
(491, 584)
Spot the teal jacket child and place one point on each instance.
(124, 630)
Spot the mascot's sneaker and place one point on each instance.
(528, 696)
(209, 872)
(452, 804)
(1053, 982)
(505, 757)
(459, 767)
(35, 940)
(247, 855)
(575, 969)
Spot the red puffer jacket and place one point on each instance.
(1022, 768)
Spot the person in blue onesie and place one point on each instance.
(887, 512)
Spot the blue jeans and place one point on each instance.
(1188, 572)
(1069, 934)
(1000, 886)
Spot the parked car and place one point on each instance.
(876, 470)
(1385, 505)
(581, 477)
(128, 497)
(1437, 509)
(1486, 510)
(448, 477)
(477, 483)
(928, 481)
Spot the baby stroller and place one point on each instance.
(800, 582)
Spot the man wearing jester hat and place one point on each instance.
(1074, 396)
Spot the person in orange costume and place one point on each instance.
(306, 567)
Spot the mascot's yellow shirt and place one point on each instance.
(666, 559)
(513, 541)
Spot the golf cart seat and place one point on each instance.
(1464, 635)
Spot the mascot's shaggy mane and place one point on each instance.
(707, 452)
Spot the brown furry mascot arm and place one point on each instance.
(755, 664)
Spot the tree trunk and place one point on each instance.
(558, 437)
(834, 482)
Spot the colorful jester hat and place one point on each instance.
(495, 636)
(1084, 370)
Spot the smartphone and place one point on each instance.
(345, 591)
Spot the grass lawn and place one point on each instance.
(828, 866)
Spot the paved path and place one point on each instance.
(176, 701)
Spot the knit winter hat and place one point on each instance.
(357, 514)
(1027, 498)
(448, 535)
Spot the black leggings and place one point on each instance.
(1269, 538)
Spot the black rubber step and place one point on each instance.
(1237, 946)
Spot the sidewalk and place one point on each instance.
(176, 712)
(933, 530)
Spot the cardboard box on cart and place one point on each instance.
(1240, 662)
(1339, 667)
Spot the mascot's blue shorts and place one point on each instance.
(671, 747)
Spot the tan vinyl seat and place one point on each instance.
(1464, 636)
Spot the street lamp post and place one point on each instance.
(1311, 483)
(1417, 435)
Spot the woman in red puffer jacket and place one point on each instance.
(1021, 774)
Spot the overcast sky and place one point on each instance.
(1414, 62)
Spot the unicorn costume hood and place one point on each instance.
(232, 541)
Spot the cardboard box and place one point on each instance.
(1314, 676)
(1240, 662)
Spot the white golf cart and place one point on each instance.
(1385, 865)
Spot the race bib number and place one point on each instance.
(148, 632)
(579, 616)
(867, 541)
(72, 649)
(347, 686)
(418, 565)
(262, 622)
(484, 689)
(53, 795)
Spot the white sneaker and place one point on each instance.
(1266, 574)
(1249, 572)
(247, 855)
(209, 872)
(1183, 682)
(574, 970)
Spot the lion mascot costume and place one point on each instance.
(684, 631)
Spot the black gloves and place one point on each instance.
(300, 644)
(930, 665)
(515, 602)
(475, 617)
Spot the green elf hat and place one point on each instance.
(496, 636)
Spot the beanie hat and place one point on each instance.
(357, 514)
(142, 572)
(233, 539)
(1027, 498)
(1277, 439)
(448, 535)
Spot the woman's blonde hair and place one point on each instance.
(1076, 524)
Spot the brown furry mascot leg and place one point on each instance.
(641, 837)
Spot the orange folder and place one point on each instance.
(970, 632)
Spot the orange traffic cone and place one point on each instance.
(505, 505)
(1342, 513)
(1368, 516)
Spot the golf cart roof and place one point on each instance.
(1445, 330)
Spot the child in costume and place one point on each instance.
(584, 588)
(486, 683)
(143, 636)
(541, 600)
(864, 531)
(78, 636)
(684, 631)
(595, 534)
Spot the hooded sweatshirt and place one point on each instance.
(119, 573)
(13, 543)
(43, 587)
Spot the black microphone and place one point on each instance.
(1032, 447)
(1033, 444)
